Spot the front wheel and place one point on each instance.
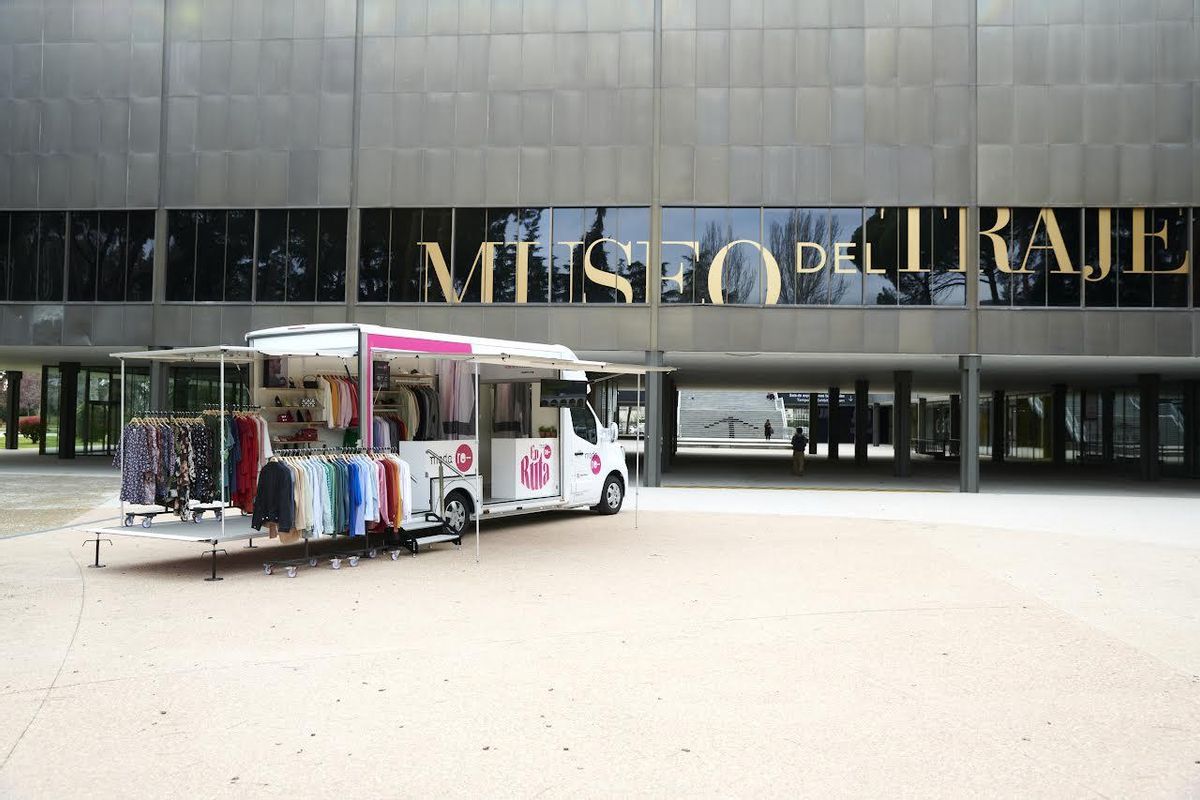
(457, 514)
(611, 496)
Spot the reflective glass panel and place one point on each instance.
(302, 256)
(1169, 260)
(331, 257)
(374, 243)
(810, 257)
(239, 256)
(566, 280)
(470, 232)
(4, 256)
(112, 242)
(181, 255)
(845, 277)
(597, 255)
(1028, 279)
(881, 251)
(210, 255)
(633, 229)
(81, 283)
(1062, 231)
(1099, 258)
(1134, 289)
(948, 285)
(995, 245)
(779, 236)
(24, 255)
(713, 233)
(437, 227)
(535, 227)
(141, 256)
(52, 255)
(503, 226)
(406, 255)
(678, 254)
(272, 256)
(915, 259)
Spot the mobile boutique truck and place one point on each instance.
(483, 428)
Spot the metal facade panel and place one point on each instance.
(847, 174)
(995, 55)
(468, 176)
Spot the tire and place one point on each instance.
(457, 513)
(612, 496)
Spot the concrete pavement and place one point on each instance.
(702, 653)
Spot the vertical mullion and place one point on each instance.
(317, 260)
(195, 249)
(254, 260)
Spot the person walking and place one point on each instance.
(768, 431)
(799, 443)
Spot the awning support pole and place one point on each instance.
(221, 428)
(637, 455)
(120, 451)
(478, 467)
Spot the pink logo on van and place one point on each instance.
(464, 458)
(535, 470)
(595, 463)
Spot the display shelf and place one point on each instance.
(295, 408)
(295, 422)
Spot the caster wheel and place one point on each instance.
(147, 522)
(267, 569)
(197, 516)
(291, 572)
(129, 520)
(372, 553)
(336, 563)
(218, 515)
(312, 562)
(395, 554)
(354, 561)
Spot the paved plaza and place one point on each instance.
(734, 643)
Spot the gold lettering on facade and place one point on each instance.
(1139, 245)
(441, 270)
(609, 279)
(1057, 245)
(523, 249)
(841, 256)
(962, 240)
(716, 270)
(1104, 243)
(571, 273)
(914, 242)
(800, 248)
(999, 244)
(677, 278)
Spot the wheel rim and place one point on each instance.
(614, 495)
(456, 515)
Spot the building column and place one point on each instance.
(999, 418)
(159, 372)
(876, 429)
(1148, 385)
(922, 424)
(12, 437)
(1108, 402)
(68, 399)
(835, 435)
(956, 421)
(1191, 428)
(902, 424)
(968, 459)
(655, 410)
(862, 422)
(1058, 424)
(814, 414)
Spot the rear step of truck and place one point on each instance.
(415, 543)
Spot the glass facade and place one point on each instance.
(111, 256)
(296, 255)
(504, 255)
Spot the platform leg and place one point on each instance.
(213, 554)
(96, 564)
(250, 546)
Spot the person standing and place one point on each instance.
(768, 431)
(799, 443)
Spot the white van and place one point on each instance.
(544, 450)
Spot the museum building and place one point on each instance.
(982, 212)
